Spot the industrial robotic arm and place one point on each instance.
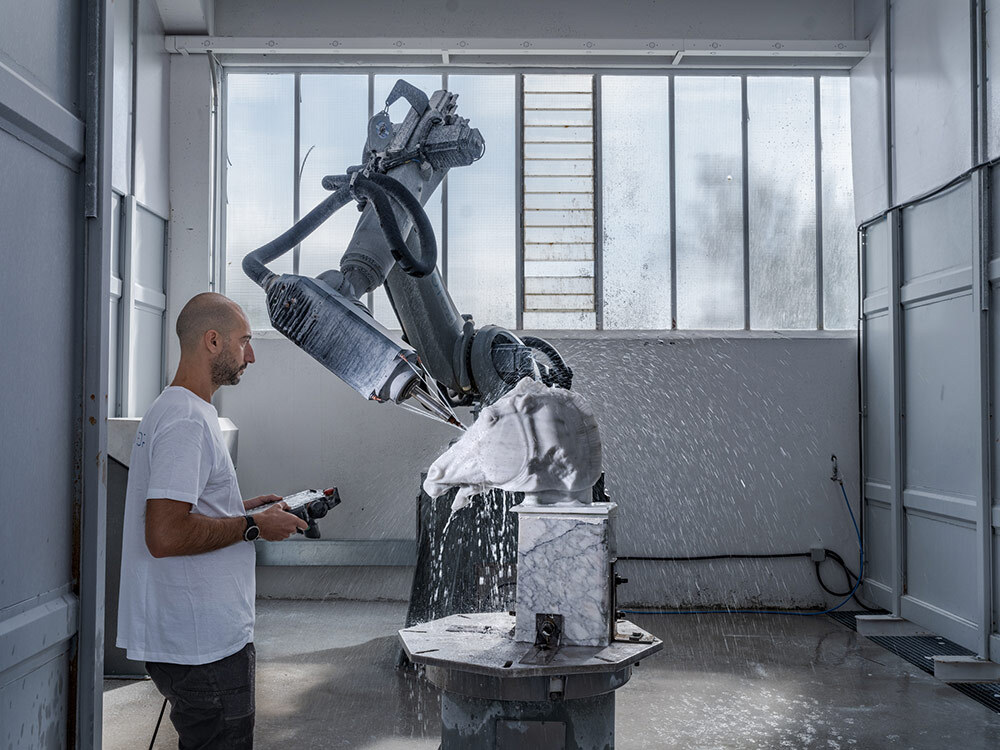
(443, 360)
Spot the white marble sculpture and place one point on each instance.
(538, 440)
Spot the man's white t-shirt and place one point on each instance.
(188, 609)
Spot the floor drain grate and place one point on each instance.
(920, 650)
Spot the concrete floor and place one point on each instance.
(326, 679)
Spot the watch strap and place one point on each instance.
(251, 524)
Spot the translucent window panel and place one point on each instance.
(482, 205)
(635, 119)
(782, 182)
(333, 117)
(708, 153)
(147, 368)
(840, 256)
(259, 178)
(147, 257)
(397, 112)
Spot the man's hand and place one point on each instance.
(277, 524)
(256, 502)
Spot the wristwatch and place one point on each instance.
(252, 531)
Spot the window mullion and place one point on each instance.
(296, 166)
(818, 145)
(519, 200)
(443, 240)
(598, 188)
(672, 192)
(746, 204)
(371, 113)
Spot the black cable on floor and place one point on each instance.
(152, 740)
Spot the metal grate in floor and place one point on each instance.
(920, 650)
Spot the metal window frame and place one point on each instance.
(597, 74)
(519, 199)
(443, 239)
(745, 127)
(818, 169)
(598, 182)
(296, 163)
(672, 192)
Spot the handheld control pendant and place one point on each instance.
(309, 505)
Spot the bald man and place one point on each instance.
(186, 602)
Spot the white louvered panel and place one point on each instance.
(544, 285)
(559, 267)
(564, 252)
(558, 217)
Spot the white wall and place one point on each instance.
(717, 444)
(691, 19)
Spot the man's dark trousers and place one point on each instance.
(211, 705)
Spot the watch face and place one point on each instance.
(252, 533)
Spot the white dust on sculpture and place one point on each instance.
(538, 440)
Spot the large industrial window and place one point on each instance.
(603, 201)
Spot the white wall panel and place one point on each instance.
(147, 255)
(868, 120)
(932, 90)
(41, 41)
(30, 696)
(121, 154)
(995, 386)
(995, 654)
(151, 112)
(937, 233)
(878, 543)
(941, 426)
(878, 390)
(940, 568)
(37, 305)
(147, 328)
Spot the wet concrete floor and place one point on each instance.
(327, 678)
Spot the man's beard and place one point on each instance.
(226, 369)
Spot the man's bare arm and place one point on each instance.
(172, 529)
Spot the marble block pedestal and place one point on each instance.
(564, 567)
